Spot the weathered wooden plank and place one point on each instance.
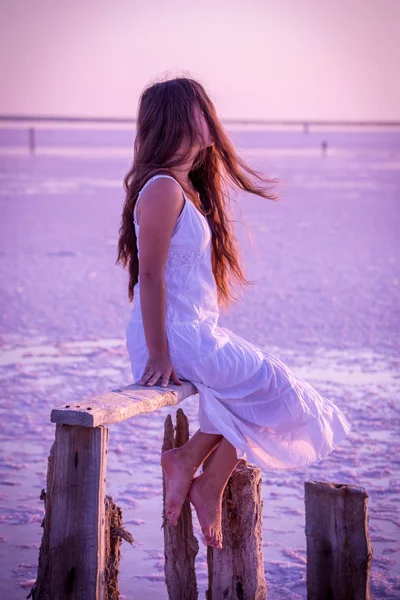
(237, 570)
(339, 552)
(72, 554)
(180, 544)
(121, 404)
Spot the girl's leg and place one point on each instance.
(199, 446)
(207, 490)
(180, 465)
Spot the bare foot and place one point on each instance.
(178, 474)
(208, 504)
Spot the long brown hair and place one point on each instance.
(164, 122)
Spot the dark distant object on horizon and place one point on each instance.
(324, 147)
(32, 141)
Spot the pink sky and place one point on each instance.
(266, 59)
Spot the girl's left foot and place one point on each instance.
(178, 475)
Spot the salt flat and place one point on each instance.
(325, 299)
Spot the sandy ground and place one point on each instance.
(326, 301)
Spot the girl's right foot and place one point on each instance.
(208, 504)
(178, 475)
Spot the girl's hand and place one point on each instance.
(156, 367)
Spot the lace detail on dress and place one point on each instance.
(188, 257)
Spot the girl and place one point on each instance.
(177, 241)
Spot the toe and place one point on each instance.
(214, 540)
(208, 536)
(218, 540)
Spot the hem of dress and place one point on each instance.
(241, 454)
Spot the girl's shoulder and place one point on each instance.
(159, 176)
(165, 187)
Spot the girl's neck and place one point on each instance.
(183, 176)
(182, 171)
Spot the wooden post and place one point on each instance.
(339, 552)
(236, 571)
(32, 141)
(180, 544)
(72, 553)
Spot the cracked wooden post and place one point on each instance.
(180, 544)
(72, 554)
(237, 570)
(339, 552)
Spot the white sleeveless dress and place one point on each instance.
(273, 418)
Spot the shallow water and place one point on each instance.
(325, 264)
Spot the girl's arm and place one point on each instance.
(159, 207)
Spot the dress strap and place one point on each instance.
(148, 182)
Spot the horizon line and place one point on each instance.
(243, 121)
